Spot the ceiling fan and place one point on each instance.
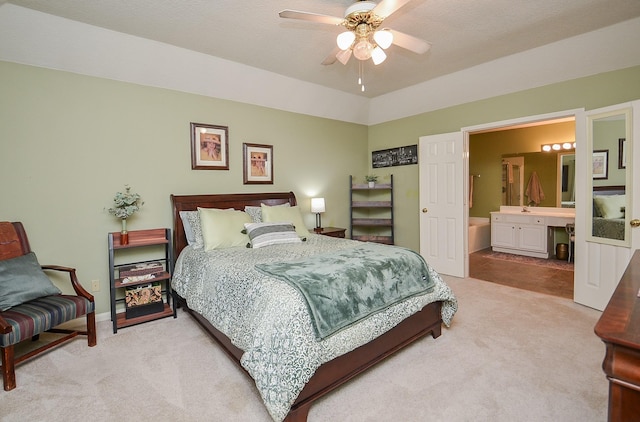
(363, 38)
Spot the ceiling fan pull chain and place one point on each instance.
(360, 74)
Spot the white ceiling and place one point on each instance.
(463, 33)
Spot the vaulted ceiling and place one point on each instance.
(462, 33)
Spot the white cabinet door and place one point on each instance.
(503, 235)
(532, 237)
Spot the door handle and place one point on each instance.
(635, 223)
(424, 210)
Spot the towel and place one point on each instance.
(470, 191)
(534, 190)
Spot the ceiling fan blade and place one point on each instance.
(342, 56)
(387, 7)
(410, 42)
(313, 17)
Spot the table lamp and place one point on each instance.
(317, 206)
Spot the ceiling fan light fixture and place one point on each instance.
(345, 39)
(378, 56)
(362, 50)
(383, 38)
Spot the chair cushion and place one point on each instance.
(43, 314)
(22, 280)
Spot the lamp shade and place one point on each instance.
(343, 56)
(378, 56)
(317, 205)
(345, 40)
(383, 38)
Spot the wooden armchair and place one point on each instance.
(30, 304)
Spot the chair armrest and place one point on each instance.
(5, 327)
(80, 291)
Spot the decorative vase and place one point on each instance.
(372, 184)
(124, 234)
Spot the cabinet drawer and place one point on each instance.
(518, 218)
(511, 218)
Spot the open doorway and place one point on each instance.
(495, 151)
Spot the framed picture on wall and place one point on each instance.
(257, 163)
(209, 147)
(600, 164)
(622, 153)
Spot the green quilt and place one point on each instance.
(342, 287)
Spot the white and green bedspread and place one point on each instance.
(268, 319)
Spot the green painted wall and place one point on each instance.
(69, 142)
(589, 93)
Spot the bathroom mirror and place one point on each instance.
(566, 188)
(607, 136)
(517, 171)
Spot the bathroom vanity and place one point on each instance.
(527, 231)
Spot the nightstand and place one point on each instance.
(331, 231)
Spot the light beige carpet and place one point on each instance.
(509, 355)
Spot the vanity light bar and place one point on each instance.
(558, 147)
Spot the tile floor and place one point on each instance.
(536, 278)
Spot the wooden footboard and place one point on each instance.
(341, 369)
(338, 371)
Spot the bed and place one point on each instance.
(609, 212)
(338, 359)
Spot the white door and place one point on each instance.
(443, 229)
(600, 262)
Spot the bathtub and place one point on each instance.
(479, 233)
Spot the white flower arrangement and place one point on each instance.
(125, 204)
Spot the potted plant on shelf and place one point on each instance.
(371, 179)
(124, 205)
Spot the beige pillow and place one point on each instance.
(291, 215)
(223, 228)
(610, 206)
(256, 212)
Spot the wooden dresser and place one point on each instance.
(619, 328)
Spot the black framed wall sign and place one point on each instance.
(400, 156)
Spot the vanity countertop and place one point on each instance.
(541, 211)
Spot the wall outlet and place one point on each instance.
(95, 285)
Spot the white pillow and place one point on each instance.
(285, 214)
(223, 228)
(265, 234)
(610, 206)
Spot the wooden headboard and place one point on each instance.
(609, 190)
(224, 201)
